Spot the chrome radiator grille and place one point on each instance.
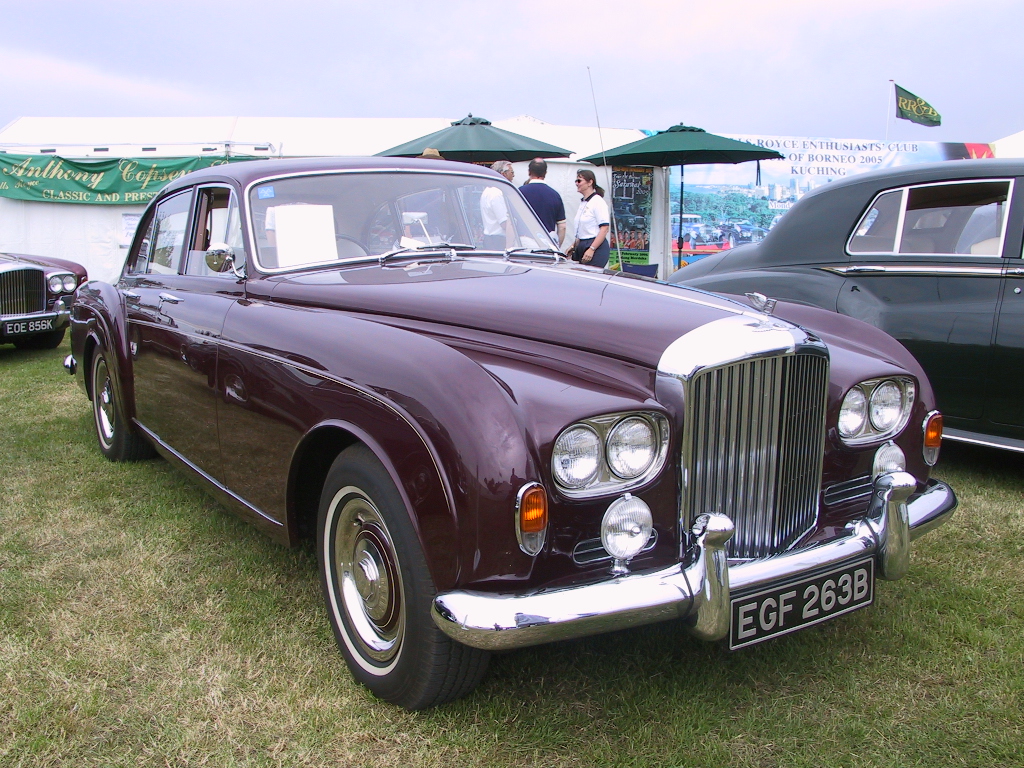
(753, 448)
(22, 292)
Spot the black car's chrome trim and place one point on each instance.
(206, 476)
(929, 270)
(309, 370)
(989, 441)
(901, 218)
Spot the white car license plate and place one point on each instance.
(18, 327)
(781, 610)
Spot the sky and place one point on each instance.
(790, 67)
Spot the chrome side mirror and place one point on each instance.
(220, 257)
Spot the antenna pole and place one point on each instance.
(888, 109)
(611, 174)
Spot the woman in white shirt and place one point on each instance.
(592, 222)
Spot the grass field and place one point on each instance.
(140, 623)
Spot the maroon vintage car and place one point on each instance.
(499, 448)
(36, 293)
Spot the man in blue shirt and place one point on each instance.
(545, 201)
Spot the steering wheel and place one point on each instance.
(363, 248)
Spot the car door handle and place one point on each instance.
(1018, 271)
(856, 270)
(169, 298)
(132, 296)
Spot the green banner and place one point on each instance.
(910, 107)
(122, 181)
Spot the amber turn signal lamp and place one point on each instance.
(533, 512)
(531, 517)
(932, 437)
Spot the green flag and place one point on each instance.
(910, 107)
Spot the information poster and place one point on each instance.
(727, 205)
(632, 192)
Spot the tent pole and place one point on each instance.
(679, 242)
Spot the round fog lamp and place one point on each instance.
(626, 527)
(54, 283)
(853, 413)
(888, 458)
(576, 457)
(69, 283)
(886, 406)
(631, 448)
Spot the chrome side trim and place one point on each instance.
(219, 486)
(910, 270)
(989, 441)
(701, 592)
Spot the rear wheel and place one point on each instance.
(378, 591)
(48, 340)
(118, 440)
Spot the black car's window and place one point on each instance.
(217, 224)
(876, 232)
(307, 220)
(955, 218)
(162, 247)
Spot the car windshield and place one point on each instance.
(317, 219)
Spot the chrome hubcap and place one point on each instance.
(368, 578)
(103, 399)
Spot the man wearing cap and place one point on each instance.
(545, 201)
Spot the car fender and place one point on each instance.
(98, 316)
(416, 402)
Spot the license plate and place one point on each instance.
(781, 610)
(18, 327)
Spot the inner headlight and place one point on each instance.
(885, 406)
(576, 457)
(853, 412)
(631, 447)
(69, 283)
(55, 283)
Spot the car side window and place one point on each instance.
(876, 232)
(955, 218)
(162, 249)
(217, 225)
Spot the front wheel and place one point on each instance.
(118, 441)
(378, 591)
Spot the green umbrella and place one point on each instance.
(475, 140)
(683, 145)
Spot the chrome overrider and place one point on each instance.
(700, 592)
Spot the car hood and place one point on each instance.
(620, 315)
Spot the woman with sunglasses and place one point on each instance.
(592, 222)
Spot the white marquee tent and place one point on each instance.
(97, 236)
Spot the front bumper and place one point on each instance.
(701, 592)
(20, 326)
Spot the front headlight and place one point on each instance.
(631, 447)
(70, 282)
(609, 454)
(576, 457)
(853, 412)
(55, 283)
(876, 409)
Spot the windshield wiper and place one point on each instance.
(558, 255)
(447, 250)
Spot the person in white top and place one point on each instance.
(592, 223)
(494, 212)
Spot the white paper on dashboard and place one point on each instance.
(305, 234)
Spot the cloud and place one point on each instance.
(44, 84)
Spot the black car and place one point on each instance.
(930, 254)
